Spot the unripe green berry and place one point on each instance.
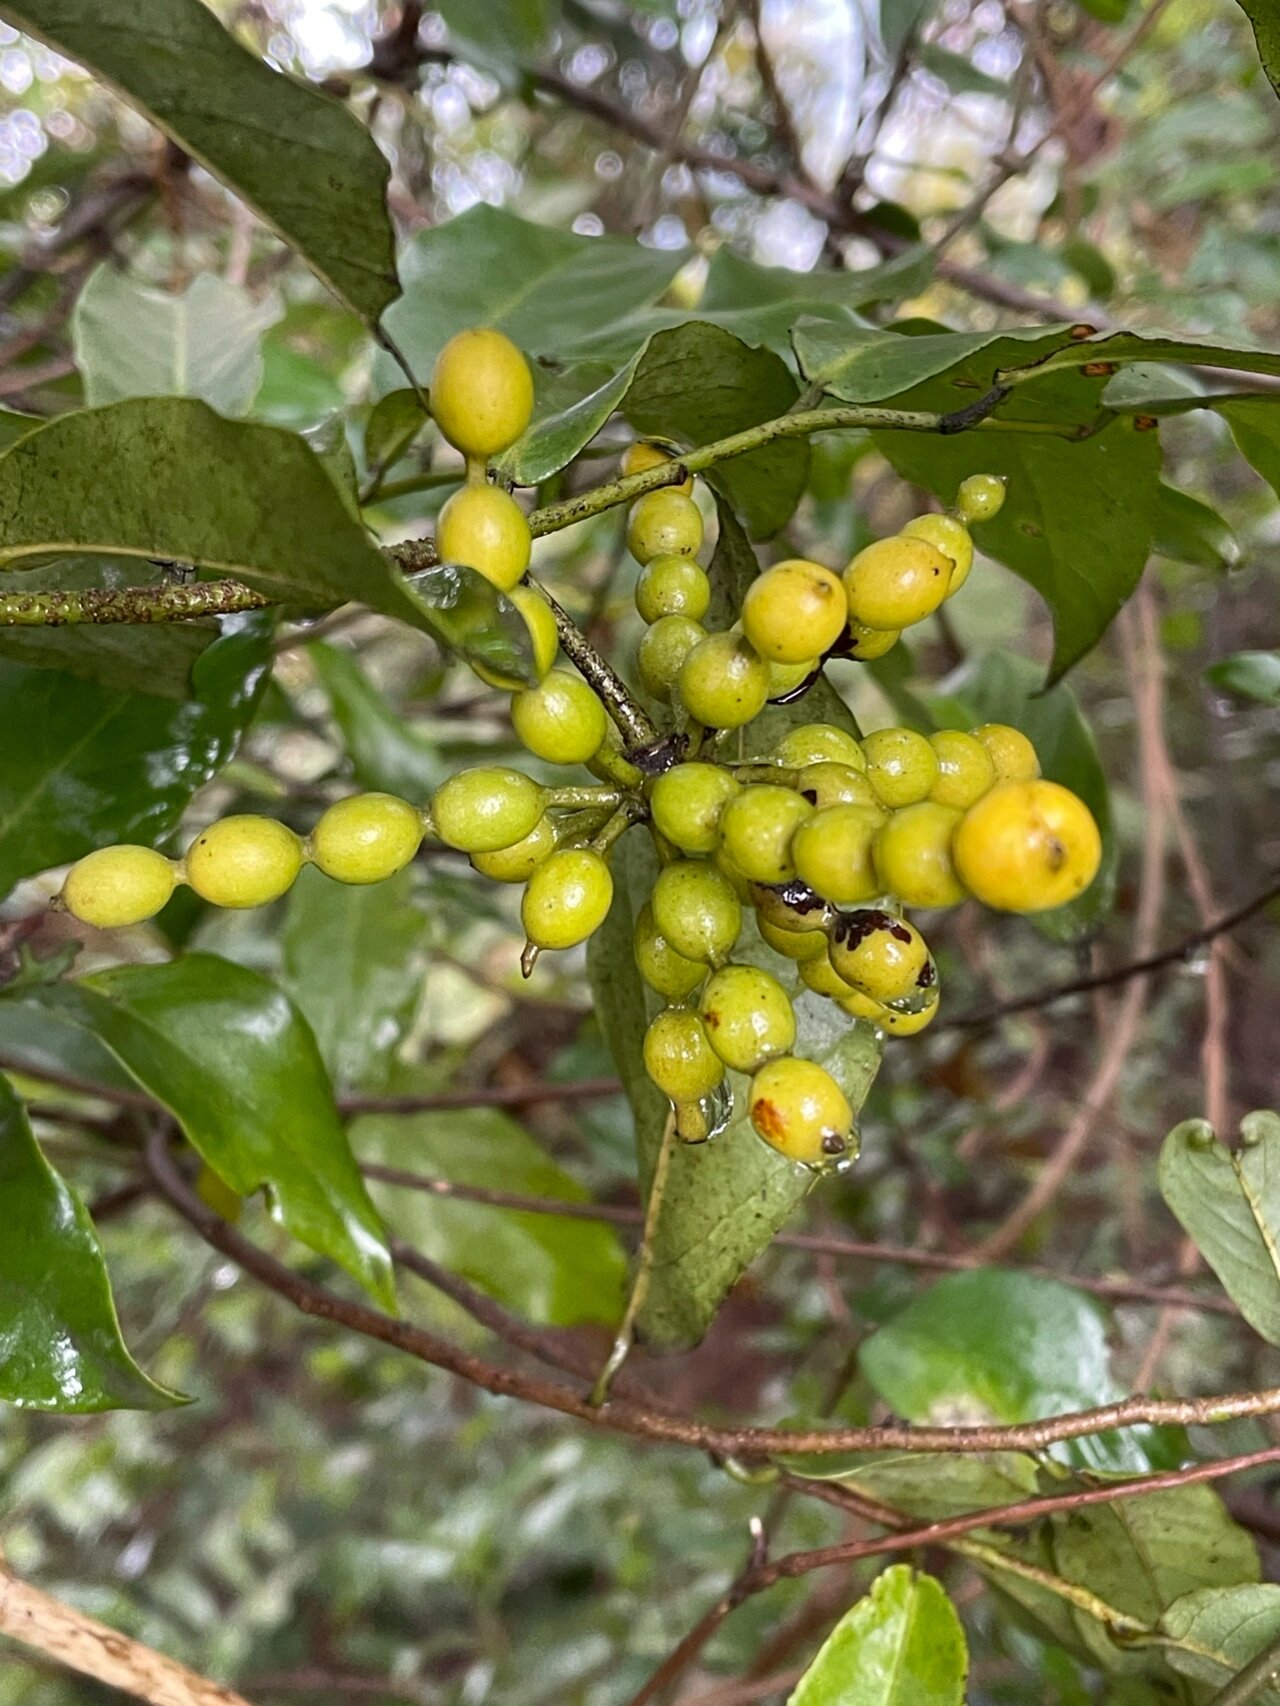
(748, 1016)
(819, 743)
(795, 611)
(830, 784)
(673, 586)
(901, 766)
(883, 956)
(819, 975)
(1010, 751)
(678, 1056)
(483, 810)
(965, 769)
(696, 909)
(663, 650)
(756, 831)
(913, 855)
(724, 682)
(793, 944)
(117, 886)
(663, 523)
(980, 497)
(784, 678)
(832, 853)
(888, 1019)
(686, 803)
(567, 898)
(517, 863)
(560, 719)
(366, 839)
(661, 967)
(797, 1107)
(243, 861)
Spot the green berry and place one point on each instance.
(724, 682)
(832, 852)
(784, 678)
(888, 1019)
(1010, 751)
(695, 908)
(661, 967)
(662, 524)
(366, 839)
(819, 743)
(117, 886)
(866, 644)
(793, 944)
(797, 1107)
(830, 784)
(517, 863)
(748, 1016)
(901, 766)
(679, 1058)
(819, 975)
(567, 898)
(883, 956)
(913, 855)
(949, 536)
(686, 804)
(243, 861)
(483, 810)
(965, 769)
(673, 586)
(560, 719)
(756, 831)
(980, 497)
(795, 611)
(663, 650)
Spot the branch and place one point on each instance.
(1249, 1683)
(38, 1620)
(166, 602)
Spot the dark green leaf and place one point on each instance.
(132, 341)
(1124, 347)
(562, 1272)
(1255, 426)
(299, 159)
(1216, 1632)
(501, 37)
(95, 766)
(385, 753)
(13, 426)
(1266, 30)
(473, 619)
(1250, 675)
(235, 1063)
(1229, 1203)
(902, 1645)
(393, 424)
(354, 961)
(868, 365)
(1188, 531)
(35, 1042)
(60, 1344)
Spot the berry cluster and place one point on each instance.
(825, 837)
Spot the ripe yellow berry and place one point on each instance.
(748, 1017)
(663, 523)
(883, 956)
(481, 392)
(724, 682)
(366, 839)
(794, 611)
(756, 829)
(560, 719)
(658, 963)
(678, 1056)
(673, 586)
(832, 853)
(117, 886)
(798, 1108)
(951, 537)
(484, 810)
(866, 644)
(888, 1019)
(896, 582)
(696, 909)
(819, 743)
(793, 944)
(1010, 751)
(980, 497)
(517, 863)
(544, 638)
(687, 802)
(567, 899)
(484, 528)
(833, 784)
(662, 651)
(913, 856)
(243, 861)
(965, 769)
(902, 766)
(1028, 846)
(819, 975)
(639, 457)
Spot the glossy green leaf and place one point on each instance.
(959, 74)
(1249, 675)
(473, 619)
(869, 365)
(1188, 531)
(561, 1272)
(236, 1064)
(725, 1199)
(303, 162)
(354, 961)
(394, 422)
(60, 1343)
(1216, 1632)
(901, 1645)
(96, 766)
(929, 1485)
(1255, 426)
(132, 341)
(1229, 1203)
(385, 753)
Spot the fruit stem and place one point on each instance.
(582, 798)
(633, 721)
(629, 812)
(781, 775)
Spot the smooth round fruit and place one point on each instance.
(747, 1015)
(1028, 846)
(902, 766)
(484, 810)
(567, 898)
(896, 582)
(793, 944)
(517, 863)
(832, 853)
(663, 650)
(639, 457)
(696, 909)
(484, 528)
(686, 804)
(663, 523)
(965, 769)
(673, 586)
(678, 1056)
(243, 861)
(860, 1006)
(980, 497)
(951, 537)
(560, 719)
(866, 644)
(819, 975)
(912, 855)
(798, 1108)
(784, 678)
(117, 886)
(738, 880)
(791, 906)
(756, 830)
(1010, 751)
(481, 392)
(819, 743)
(883, 956)
(661, 967)
(724, 682)
(544, 639)
(794, 611)
(366, 839)
(832, 784)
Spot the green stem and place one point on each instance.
(168, 602)
(629, 812)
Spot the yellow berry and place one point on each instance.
(793, 944)
(980, 497)
(913, 855)
(117, 886)
(1028, 846)
(724, 682)
(756, 829)
(747, 1015)
(560, 719)
(784, 678)
(819, 975)
(366, 838)
(696, 909)
(795, 611)
(639, 457)
(1010, 751)
(888, 1019)
(544, 638)
(517, 863)
(902, 766)
(481, 392)
(833, 784)
(678, 1056)
(243, 861)
(883, 956)
(484, 528)
(866, 644)
(687, 802)
(658, 963)
(672, 586)
(486, 809)
(832, 853)
(663, 650)
(797, 1107)
(896, 582)
(567, 898)
(663, 523)
(965, 769)
(951, 537)
(791, 906)
(818, 743)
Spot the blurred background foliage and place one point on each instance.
(326, 1521)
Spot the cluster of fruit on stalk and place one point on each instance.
(827, 837)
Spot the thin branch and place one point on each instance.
(682, 1656)
(1249, 1683)
(169, 601)
(625, 1336)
